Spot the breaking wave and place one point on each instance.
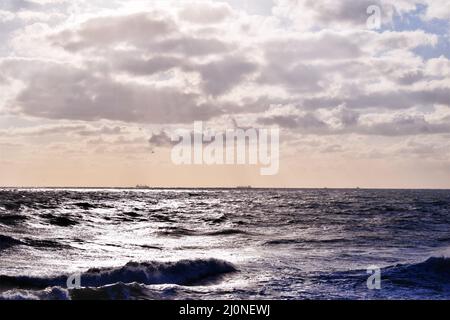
(432, 274)
(184, 272)
(116, 291)
(54, 293)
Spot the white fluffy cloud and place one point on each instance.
(312, 67)
(437, 9)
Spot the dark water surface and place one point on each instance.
(224, 244)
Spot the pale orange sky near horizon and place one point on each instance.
(294, 173)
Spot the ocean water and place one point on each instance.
(224, 244)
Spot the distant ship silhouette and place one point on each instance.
(142, 187)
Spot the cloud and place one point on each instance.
(17, 5)
(6, 16)
(63, 129)
(437, 9)
(306, 123)
(152, 31)
(161, 139)
(410, 77)
(221, 76)
(150, 66)
(308, 14)
(205, 13)
(387, 100)
(344, 14)
(343, 122)
(218, 76)
(78, 79)
(104, 130)
(207, 60)
(405, 125)
(2, 79)
(134, 29)
(298, 78)
(63, 92)
(312, 46)
(42, 130)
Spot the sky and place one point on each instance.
(92, 91)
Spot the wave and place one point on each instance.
(302, 241)
(8, 242)
(116, 291)
(184, 272)
(54, 293)
(176, 232)
(62, 222)
(146, 246)
(128, 291)
(432, 274)
(11, 219)
(42, 243)
(226, 232)
(132, 214)
(218, 220)
(84, 205)
(12, 205)
(281, 242)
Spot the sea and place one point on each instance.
(252, 244)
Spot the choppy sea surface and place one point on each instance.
(224, 244)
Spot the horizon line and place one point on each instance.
(220, 188)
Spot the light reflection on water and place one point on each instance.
(288, 244)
